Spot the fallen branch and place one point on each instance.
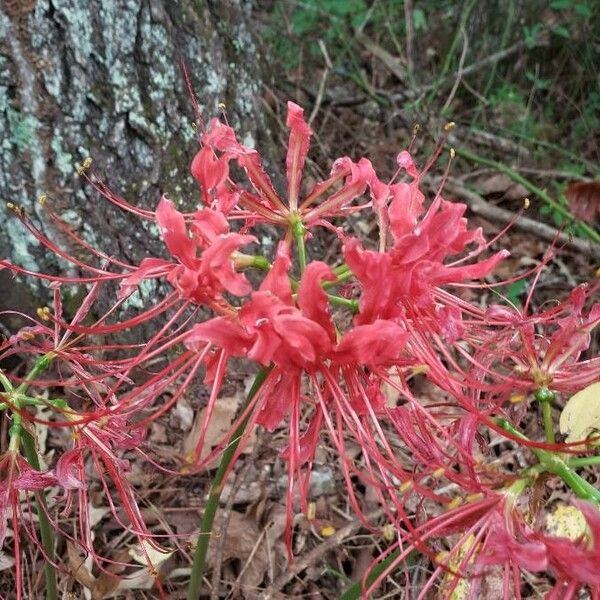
(481, 207)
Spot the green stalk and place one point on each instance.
(554, 463)
(298, 231)
(17, 434)
(216, 488)
(46, 532)
(545, 396)
(590, 232)
(584, 461)
(345, 302)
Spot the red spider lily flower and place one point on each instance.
(198, 278)
(17, 475)
(300, 342)
(220, 146)
(575, 562)
(544, 349)
(405, 279)
(487, 530)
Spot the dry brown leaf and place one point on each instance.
(77, 567)
(223, 415)
(502, 184)
(581, 414)
(6, 561)
(584, 199)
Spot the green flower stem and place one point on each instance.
(345, 302)
(17, 435)
(216, 488)
(298, 231)
(554, 463)
(261, 263)
(584, 461)
(548, 422)
(590, 232)
(545, 396)
(46, 532)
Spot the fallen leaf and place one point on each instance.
(581, 414)
(6, 561)
(223, 415)
(149, 554)
(584, 199)
(566, 521)
(78, 567)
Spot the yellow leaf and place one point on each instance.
(566, 521)
(581, 414)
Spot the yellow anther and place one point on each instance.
(526, 202)
(389, 532)
(327, 530)
(43, 313)
(416, 128)
(598, 272)
(455, 502)
(440, 557)
(420, 369)
(84, 166)
(449, 126)
(222, 105)
(311, 511)
(405, 487)
(18, 210)
(26, 335)
(452, 153)
(516, 398)
(43, 199)
(474, 497)
(194, 125)
(438, 472)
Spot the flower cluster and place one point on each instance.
(329, 341)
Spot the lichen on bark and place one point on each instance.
(104, 79)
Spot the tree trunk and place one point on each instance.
(104, 80)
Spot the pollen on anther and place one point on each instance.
(222, 105)
(526, 202)
(449, 126)
(84, 166)
(43, 313)
(43, 199)
(452, 153)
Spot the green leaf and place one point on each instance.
(419, 20)
(561, 31)
(583, 10)
(560, 4)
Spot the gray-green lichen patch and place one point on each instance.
(62, 159)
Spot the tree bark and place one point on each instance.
(104, 80)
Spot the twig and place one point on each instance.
(410, 33)
(321, 91)
(461, 64)
(483, 208)
(464, 17)
(470, 69)
(590, 232)
(316, 553)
